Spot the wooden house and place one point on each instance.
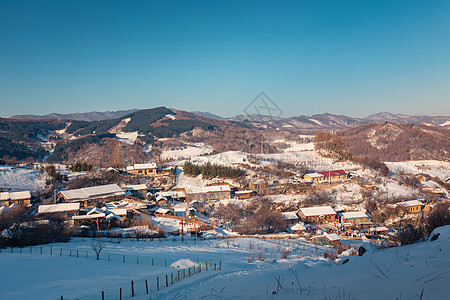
(66, 210)
(410, 207)
(91, 195)
(244, 195)
(137, 191)
(215, 192)
(331, 239)
(143, 169)
(258, 185)
(354, 217)
(17, 198)
(330, 176)
(318, 214)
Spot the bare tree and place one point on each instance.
(97, 245)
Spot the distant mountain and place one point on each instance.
(442, 121)
(89, 116)
(327, 121)
(208, 115)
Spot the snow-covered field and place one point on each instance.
(403, 272)
(21, 179)
(440, 169)
(187, 152)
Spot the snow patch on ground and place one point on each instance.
(21, 179)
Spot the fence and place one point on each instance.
(143, 286)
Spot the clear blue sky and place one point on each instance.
(343, 57)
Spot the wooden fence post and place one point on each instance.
(41, 250)
(214, 266)
(51, 250)
(167, 281)
(152, 261)
(120, 294)
(103, 295)
(137, 260)
(86, 254)
(132, 288)
(171, 278)
(146, 286)
(124, 259)
(157, 283)
(60, 252)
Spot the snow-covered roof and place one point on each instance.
(160, 197)
(332, 236)
(243, 192)
(314, 175)
(15, 195)
(145, 166)
(290, 215)
(130, 168)
(179, 194)
(112, 216)
(118, 211)
(377, 229)
(162, 211)
(354, 215)
(333, 173)
(136, 187)
(259, 181)
(96, 210)
(208, 189)
(317, 211)
(92, 192)
(410, 203)
(56, 208)
(180, 207)
(298, 227)
(87, 217)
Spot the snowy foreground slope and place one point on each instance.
(397, 273)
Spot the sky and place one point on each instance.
(343, 57)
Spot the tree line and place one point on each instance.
(209, 170)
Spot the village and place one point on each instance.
(144, 210)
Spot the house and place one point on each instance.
(410, 207)
(183, 210)
(137, 190)
(313, 178)
(258, 185)
(18, 198)
(103, 218)
(243, 195)
(297, 228)
(290, 217)
(174, 195)
(317, 214)
(215, 192)
(161, 200)
(331, 239)
(143, 169)
(354, 217)
(335, 175)
(91, 195)
(377, 231)
(67, 210)
(164, 211)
